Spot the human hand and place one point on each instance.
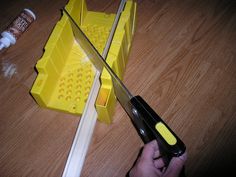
(150, 163)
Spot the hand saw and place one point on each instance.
(146, 121)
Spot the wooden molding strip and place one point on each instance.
(87, 123)
(83, 134)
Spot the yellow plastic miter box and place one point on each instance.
(65, 74)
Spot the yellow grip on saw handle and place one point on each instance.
(150, 126)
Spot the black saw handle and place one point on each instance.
(150, 126)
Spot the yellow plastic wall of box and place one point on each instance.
(117, 59)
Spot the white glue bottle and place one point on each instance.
(16, 28)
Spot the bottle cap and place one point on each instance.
(31, 13)
(4, 42)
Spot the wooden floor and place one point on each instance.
(183, 62)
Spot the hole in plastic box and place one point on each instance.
(68, 98)
(62, 84)
(61, 90)
(60, 96)
(69, 92)
(69, 86)
(77, 99)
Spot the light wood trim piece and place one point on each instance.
(87, 123)
(83, 134)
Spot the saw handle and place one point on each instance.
(150, 126)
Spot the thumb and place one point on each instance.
(175, 166)
(149, 150)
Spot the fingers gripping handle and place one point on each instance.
(150, 126)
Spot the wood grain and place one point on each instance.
(182, 61)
